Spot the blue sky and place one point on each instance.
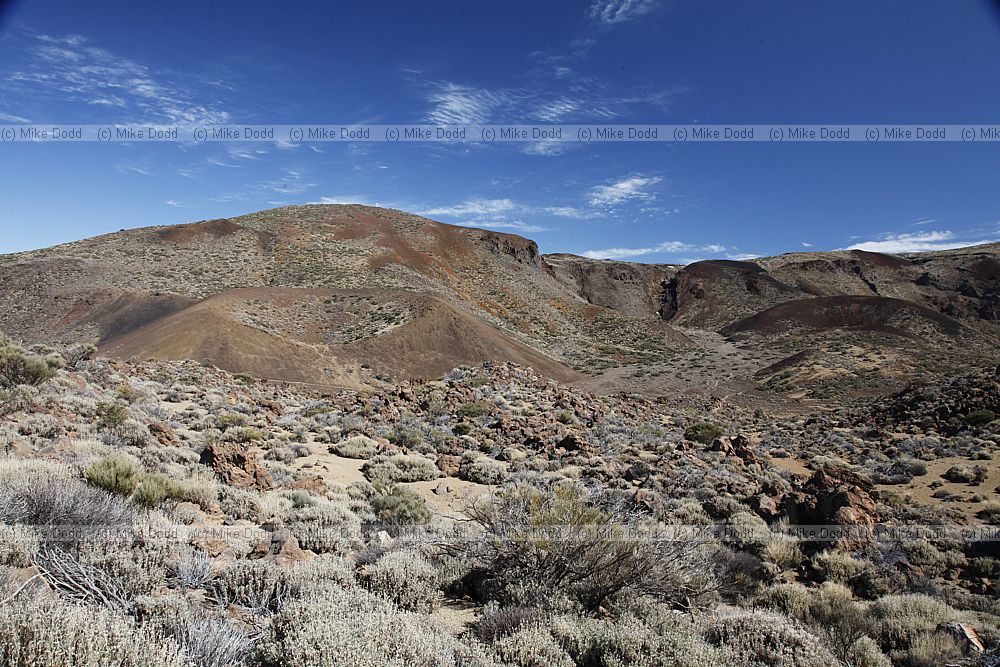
(615, 61)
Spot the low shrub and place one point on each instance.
(400, 507)
(474, 409)
(406, 578)
(151, 491)
(331, 626)
(114, 474)
(39, 499)
(357, 447)
(257, 585)
(898, 621)
(111, 416)
(703, 432)
(768, 640)
(18, 368)
(386, 470)
(563, 542)
(980, 417)
(323, 527)
(53, 634)
(497, 622)
(485, 470)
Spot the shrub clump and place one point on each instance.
(331, 626)
(484, 470)
(400, 468)
(114, 474)
(768, 639)
(18, 368)
(474, 409)
(54, 634)
(357, 447)
(980, 417)
(703, 432)
(400, 507)
(406, 578)
(561, 542)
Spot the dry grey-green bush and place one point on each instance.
(214, 642)
(766, 639)
(387, 470)
(406, 578)
(190, 569)
(655, 639)
(80, 581)
(400, 507)
(562, 540)
(532, 646)
(496, 622)
(18, 367)
(18, 545)
(898, 621)
(322, 528)
(257, 585)
(356, 447)
(335, 627)
(324, 568)
(42, 500)
(485, 470)
(53, 634)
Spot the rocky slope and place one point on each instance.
(383, 293)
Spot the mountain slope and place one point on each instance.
(333, 294)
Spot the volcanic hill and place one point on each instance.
(340, 295)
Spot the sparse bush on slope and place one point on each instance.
(17, 367)
(562, 542)
(54, 634)
(400, 507)
(703, 432)
(763, 639)
(356, 447)
(114, 474)
(406, 578)
(387, 470)
(334, 627)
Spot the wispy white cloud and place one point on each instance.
(566, 212)
(665, 248)
(923, 221)
(128, 167)
(475, 207)
(346, 199)
(556, 97)
(455, 104)
(627, 189)
(806, 244)
(489, 214)
(919, 242)
(292, 182)
(516, 225)
(11, 118)
(175, 203)
(74, 69)
(613, 12)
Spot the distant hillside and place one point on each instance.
(333, 294)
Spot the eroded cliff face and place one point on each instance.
(522, 250)
(636, 290)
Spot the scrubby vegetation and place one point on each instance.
(219, 522)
